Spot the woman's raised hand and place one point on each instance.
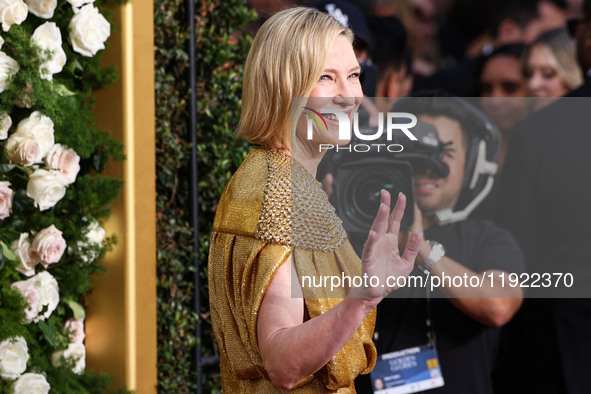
(381, 257)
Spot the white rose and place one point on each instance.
(75, 352)
(23, 149)
(48, 37)
(29, 259)
(31, 383)
(65, 160)
(12, 12)
(49, 245)
(14, 355)
(47, 291)
(8, 67)
(95, 236)
(1, 42)
(88, 30)
(6, 197)
(79, 3)
(39, 127)
(5, 123)
(42, 8)
(46, 188)
(76, 328)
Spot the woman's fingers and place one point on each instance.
(380, 252)
(380, 223)
(397, 214)
(369, 246)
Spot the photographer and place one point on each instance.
(460, 322)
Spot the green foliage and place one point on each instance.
(176, 319)
(220, 56)
(67, 100)
(12, 304)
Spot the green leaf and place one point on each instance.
(7, 252)
(49, 332)
(76, 308)
(6, 167)
(62, 90)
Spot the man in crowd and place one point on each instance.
(464, 319)
(393, 59)
(544, 200)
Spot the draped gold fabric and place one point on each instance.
(252, 237)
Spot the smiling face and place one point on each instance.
(543, 80)
(337, 88)
(432, 193)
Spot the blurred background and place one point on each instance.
(470, 48)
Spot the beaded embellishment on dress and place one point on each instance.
(296, 210)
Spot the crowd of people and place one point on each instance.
(522, 142)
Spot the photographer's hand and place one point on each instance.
(492, 305)
(417, 226)
(327, 182)
(380, 255)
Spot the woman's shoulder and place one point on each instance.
(273, 198)
(257, 196)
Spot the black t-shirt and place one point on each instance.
(466, 348)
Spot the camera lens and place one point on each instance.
(357, 194)
(365, 189)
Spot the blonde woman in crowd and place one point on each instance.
(551, 68)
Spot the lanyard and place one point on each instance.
(430, 331)
(431, 339)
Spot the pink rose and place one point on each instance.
(6, 197)
(23, 149)
(42, 293)
(65, 160)
(76, 327)
(39, 127)
(28, 258)
(49, 245)
(29, 292)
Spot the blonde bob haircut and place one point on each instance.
(285, 61)
(562, 51)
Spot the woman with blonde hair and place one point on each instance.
(274, 224)
(551, 68)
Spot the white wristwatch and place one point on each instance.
(437, 252)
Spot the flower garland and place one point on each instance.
(52, 194)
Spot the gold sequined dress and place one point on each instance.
(270, 208)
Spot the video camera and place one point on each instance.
(359, 178)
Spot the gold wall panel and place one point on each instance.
(121, 316)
